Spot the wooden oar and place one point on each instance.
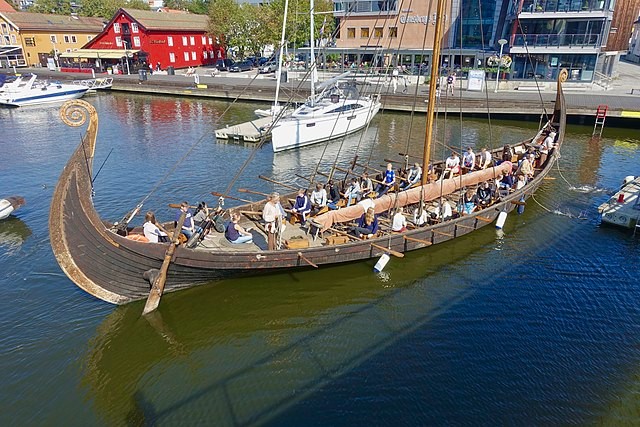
(153, 300)
(278, 183)
(244, 190)
(178, 206)
(391, 251)
(215, 193)
(306, 260)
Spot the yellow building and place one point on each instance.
(29, 39)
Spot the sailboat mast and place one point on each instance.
(314, 70)
(284, 24)
(435, 76)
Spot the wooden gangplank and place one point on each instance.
(251, 131)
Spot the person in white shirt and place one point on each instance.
(353, 192)
(452, 165)
(152, 231)
(469, 160)
(420, 216)
(318, 197)
(485, 158)
(399, 223)
(272, 215)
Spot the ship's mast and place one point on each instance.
(435, 76)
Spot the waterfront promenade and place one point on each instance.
(622, 96)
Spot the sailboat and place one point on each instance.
(113, 267)
(334, 109)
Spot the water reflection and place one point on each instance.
(303, 330)
(13, 233)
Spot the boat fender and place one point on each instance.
(381, 264)
(151, 276)
(502, 217)
(521, 206)
(628, 179)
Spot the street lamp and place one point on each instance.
(501, 42)
(126, 56)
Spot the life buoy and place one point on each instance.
(138, 238)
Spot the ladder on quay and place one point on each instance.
(601, 116)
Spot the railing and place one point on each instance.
(602, 80)
(550, 40)
(541, 6)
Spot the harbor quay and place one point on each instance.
(621, 96)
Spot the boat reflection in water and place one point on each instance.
(13, 233)
(247, 350)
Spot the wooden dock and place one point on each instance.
(251, 131)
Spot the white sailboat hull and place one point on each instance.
(32, 92)
(299, 130)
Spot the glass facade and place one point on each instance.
(546, 67)
(342, 7)
(474, 26)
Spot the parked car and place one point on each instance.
(223, 64)
(269, 67)
(241, 66)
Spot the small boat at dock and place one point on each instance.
(9, 204)
(28, 90)
(623, 208)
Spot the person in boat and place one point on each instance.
(201, 215)
(485, 194)
(505, 184)
(421, 215)
(451, 165)
(521, 182)
(367, 224)
(318, 199)
(469, 201)
(468, 160)
(507, 153)
(547, 146)
(526, 167)
(302, 206)
(366, 185)
(399, 222)
(188, 227)
(353, 193)
(272, 216)
(485, 158)
(443, 211)
(152, 231)
(235, 233)
(333, 194)
(388, 181)
(413, 176)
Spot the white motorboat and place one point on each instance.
(336, 111)
(102, 83)
(9, 204)
(28, 90)
(623, 208)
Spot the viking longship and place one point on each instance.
(113, 267)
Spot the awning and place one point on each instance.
(99, 53)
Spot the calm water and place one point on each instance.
(536, 325)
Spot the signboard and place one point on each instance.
(475, 82)
(51, 65)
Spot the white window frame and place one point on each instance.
(186, 56)
(192, 40)
(13, 39)
(184, 41)
(205, 54)
(74, 39)
(67, 39)
(116, 27)
(53, 38)
(134, 27)
(210, 40)
(169, 41)
(136, 41)
(172, 57)
(194, 56)
(118, 41)
(204, 40)
(89, 38)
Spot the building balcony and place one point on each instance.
(563, 6)
(557, 40)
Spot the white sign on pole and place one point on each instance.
(475, 81)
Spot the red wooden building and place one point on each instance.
(171, 39)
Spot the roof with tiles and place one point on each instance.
(26, 21)
(169, 21)
(6, 7)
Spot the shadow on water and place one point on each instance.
(281, 337)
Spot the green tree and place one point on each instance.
(100, 8)
(58, 7)
(198, 7)
(137, 4)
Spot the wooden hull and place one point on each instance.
(111, 267)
